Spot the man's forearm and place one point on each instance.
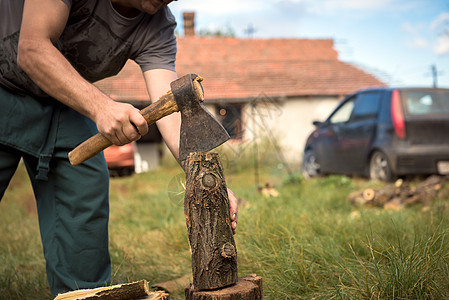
(158, 83)
(50, 70)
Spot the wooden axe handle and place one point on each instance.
(89, 148)
(165, 106)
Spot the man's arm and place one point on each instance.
(158, 83)
(42, 24)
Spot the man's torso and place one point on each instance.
(97, 41)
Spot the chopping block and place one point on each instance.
(214, 253)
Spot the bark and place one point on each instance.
(206, 208)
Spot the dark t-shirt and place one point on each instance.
(97, 41)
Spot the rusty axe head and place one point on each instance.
(200, 130)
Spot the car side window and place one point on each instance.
(366, 106)
(343, 113)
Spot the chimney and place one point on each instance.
(189, 23)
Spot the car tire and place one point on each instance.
(379, 167)
(310, 164)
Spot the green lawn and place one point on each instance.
(307, 243)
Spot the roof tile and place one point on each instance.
(242, 68)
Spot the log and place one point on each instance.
(356, 198)
(246, 288)
(206, 208)
(368, 194)
(120, 291)
(400, 194)
(386, 194)
(427, 191)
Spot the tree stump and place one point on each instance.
(246, 288)
(206, 208)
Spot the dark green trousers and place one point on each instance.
(72, 201)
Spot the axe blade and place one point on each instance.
(203, 134)
(200, 130)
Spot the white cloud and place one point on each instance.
(222, 8)
(418, 43)
(357, 4)
(335, 7)
(441, 20)
(442, 45)
(407, 27)
(238, 7)
(439, 26)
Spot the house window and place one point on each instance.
(230, 117)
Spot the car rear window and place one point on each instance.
(427, 102)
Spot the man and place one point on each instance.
(51, 52)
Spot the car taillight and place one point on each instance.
(397, 114)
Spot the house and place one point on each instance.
(257, 88)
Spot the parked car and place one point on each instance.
(382, 133)
(121, 159)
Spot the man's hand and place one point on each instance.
(121, 123)
(233, 209)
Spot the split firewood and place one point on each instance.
(125, 291)
(356, 198)
(157, 295)
(368, 194)
(428, 189)
(386, 194)
(396, 196)
(395, 205)
(269, 190)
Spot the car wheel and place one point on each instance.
(379, 167)
(310, 164)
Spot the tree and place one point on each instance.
(226, 31)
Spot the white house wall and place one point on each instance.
(295, 123)
(287, 122)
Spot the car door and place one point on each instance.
(327, 137)
(356, 136)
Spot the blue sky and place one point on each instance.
(396, 40)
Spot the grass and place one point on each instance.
(307, 243)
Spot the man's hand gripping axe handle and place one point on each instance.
(165, 106)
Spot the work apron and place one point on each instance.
(72, 201)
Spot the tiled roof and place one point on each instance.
(244, 68)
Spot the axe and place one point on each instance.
(200, 130)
